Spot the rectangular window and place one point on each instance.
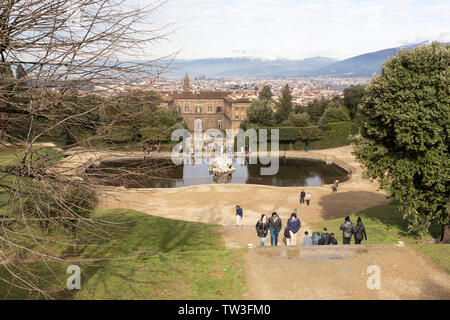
(199, 110)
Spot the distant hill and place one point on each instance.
(365, 65)
(248, 67)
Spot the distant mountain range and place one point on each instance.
(365, 65)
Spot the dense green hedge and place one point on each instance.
(336, 136)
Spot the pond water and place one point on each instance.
(162, 173)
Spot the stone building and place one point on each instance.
(216, 109)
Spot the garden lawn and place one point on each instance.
(385, 225)
(147, 257)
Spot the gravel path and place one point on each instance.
(341, 273)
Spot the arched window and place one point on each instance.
(186, 109)
(219, 108)
(219, 124)
(209, 109)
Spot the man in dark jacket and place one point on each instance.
(293, 224)
(333, 240)
(325, 240)
(347, 230)
(275, 226)
(359, 231)
(302, 197)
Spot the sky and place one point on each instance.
(294, 29)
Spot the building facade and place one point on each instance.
(216, 109)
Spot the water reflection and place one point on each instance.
(162, 173)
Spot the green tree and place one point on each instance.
(158, 125)
(265, 93)
(260, 112)
(308, 134)
(300, 108)
(300, 120)
(405, 135)
(352, 98)
(284, 107)
(333, 114)
(316, 108)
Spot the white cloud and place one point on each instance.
(298, 29)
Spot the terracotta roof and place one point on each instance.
(202, 95)
(239, 100)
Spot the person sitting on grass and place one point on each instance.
(307, 241)
(333, 240)
(262, 227)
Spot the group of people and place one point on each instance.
(150, 148)
(274, 225)
(305, 196)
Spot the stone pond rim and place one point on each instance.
(295, 171)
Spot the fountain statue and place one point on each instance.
(222, 164)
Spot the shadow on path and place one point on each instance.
(341, 204)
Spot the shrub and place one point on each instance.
(336, 136)
(300, 120)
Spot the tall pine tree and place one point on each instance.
(284, 107)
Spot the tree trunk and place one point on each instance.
(445, 235)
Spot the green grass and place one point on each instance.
(439, 253)
(385, 225)
(147, 258)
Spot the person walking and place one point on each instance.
(239, 215)
(293, 225)
(347, 230)
(308, 198)
(307, 240)
(262, 227)
(275, 226)
(325, 239)
(336, 185)
(359, 231)
(302, 197)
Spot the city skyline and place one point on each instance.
(295, 29)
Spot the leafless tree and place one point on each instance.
(62, 64)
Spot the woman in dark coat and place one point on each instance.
(359, 231)
(262, 227)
